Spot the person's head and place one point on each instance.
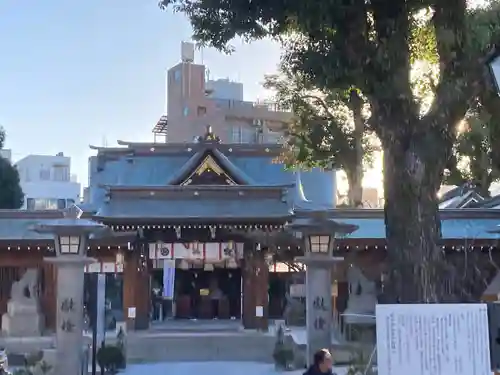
(323, 360)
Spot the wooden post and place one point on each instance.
(136, 291)
(248, 288)
(261, 282)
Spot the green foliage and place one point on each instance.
(361, 364)
(110, 358)
(475, 157)
(11, 194)
(328, 129)
(322, 132)
(282, 355)
(34, 365)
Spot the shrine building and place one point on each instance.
(183, 217)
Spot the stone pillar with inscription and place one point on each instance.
(319, 309)
(70, 234)
(318, 231)
(69, 329)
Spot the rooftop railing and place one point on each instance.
(241, 104)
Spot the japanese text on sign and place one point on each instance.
(319, 323)
(320, 307)
(67, 305)
(319, 304)
(67, 325)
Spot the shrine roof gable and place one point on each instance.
(210, 167)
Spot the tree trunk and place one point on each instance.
(355, 192)
(413, 174)
(355, 176)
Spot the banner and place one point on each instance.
(168, 278)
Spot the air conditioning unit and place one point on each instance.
(258, 122)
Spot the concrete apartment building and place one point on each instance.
(193, 102)
(47, 182)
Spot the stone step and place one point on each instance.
(251, 347)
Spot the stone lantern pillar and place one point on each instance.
(318, 232)
(71, 235)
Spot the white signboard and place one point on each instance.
(131, 313)
(433, 339)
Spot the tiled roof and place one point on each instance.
(493, 202)
(462, 196)
(470, 224)
(451, 228)
(194, 209)
(21, 229)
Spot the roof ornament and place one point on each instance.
(209, 136)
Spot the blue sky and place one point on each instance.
(73, 75)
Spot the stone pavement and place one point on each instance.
(219, 368)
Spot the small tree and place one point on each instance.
(474, 157)
(11, 194)
(328, 129)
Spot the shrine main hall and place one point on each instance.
(198, 232)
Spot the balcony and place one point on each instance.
(269, 111)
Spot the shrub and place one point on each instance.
(110, 358)
(282, 355)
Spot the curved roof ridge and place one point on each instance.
(232, 168)
(188, 165)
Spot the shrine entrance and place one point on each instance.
(208, 294)
(199, 293)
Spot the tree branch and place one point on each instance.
(393, 89)
(460, 73)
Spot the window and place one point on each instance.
(45, 203)
(177, 75)
(248, 135)
(201, 111)
(70, 202)
(61, 173)
(186, 111)
(44, 174)
(319, 244)
(236, 134)
(70, 244)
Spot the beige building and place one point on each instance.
(193, 102)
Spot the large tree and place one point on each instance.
(11, 194)
(328, 129)
(368, 45)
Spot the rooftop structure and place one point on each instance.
(193, 101)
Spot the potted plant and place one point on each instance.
(34, 364)
(360, 365)
(283, 355)
(110, 358)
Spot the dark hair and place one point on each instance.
(320, 356)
